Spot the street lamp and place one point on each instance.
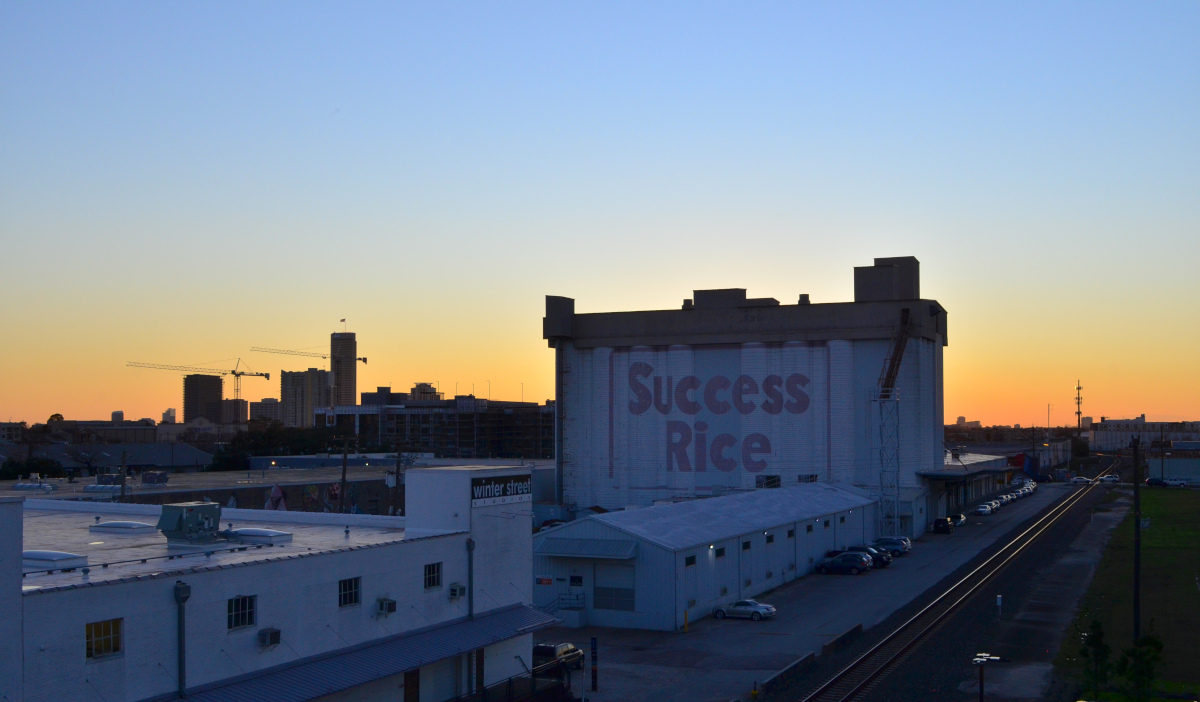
(981, 660)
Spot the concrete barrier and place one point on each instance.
(788, 674)
(840, 642)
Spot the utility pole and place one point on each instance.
(342, 490)
(1078, 407)
(1134, 443)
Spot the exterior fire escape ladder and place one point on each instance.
(888, 401)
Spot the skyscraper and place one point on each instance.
(343, 355)
(202, 396)
(302, 392)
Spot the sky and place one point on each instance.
(182, 181)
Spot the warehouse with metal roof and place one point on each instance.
(650, 567)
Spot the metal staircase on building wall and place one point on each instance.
(888, 401)
(563, 601)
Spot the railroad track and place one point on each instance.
(861, 676)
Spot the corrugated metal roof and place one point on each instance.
(703, 521)
(619, 549)
(310, 679)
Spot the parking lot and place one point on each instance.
(720, 660)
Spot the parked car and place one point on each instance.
(895, 545)
(996, 504)
(1080, 480)
(1155, 482)
(1175, 482)
(943, 525)
(565, 653)
(845, 562)
(879, 558)
(958, 520)
(984, 508)
(747, 609)
(1110, 479)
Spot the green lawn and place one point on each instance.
(1170, 588)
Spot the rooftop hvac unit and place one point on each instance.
(384, 607)
(190, 522)
(268, 638)
(457, 591)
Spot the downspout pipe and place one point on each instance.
(470, 578)
(182, 592)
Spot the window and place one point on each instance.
(721, 552)
(791, 533)
(576, 581)
(433, 575)
(241, 611)
(770, 538)
(826, 523)
(689, 561)
(349, 592)
(808, 528)
(745, 545)
(767, 481)
(104, 638)
(842, 520)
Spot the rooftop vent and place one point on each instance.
(52, 560)
(122, 527)
(188, 523)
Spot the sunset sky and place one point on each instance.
(182, 181)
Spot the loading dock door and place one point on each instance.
(614, 587)
(412, 686)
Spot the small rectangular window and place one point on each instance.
(349, 592)
(842, 520)
(721, 552)
(241, 611)
(826, 523)
(791, 533)
(770, 538)
(745, 545)
(689, 561)
(433, 575)
(103, 638)
(808, 528)
(576, 581)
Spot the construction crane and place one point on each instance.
(236, 373)
(288, 352)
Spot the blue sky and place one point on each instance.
(246, 175)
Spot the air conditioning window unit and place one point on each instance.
(385, 606)
(457, 591)
(268, 638)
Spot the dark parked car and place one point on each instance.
(879, 557)
(895, 545)
(845, 562)
(958, 519)
(1156, 482)
(943, 525)
(565, 653)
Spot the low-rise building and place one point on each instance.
(650, 567)
(268, 409)
(125, 602)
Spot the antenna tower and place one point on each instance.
(1078, 406)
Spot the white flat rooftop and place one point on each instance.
(115, 556)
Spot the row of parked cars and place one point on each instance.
(860, 559)
(990, 507)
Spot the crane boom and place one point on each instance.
(237, 374)
(289, 352)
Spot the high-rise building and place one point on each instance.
(234, 411)
(118, 416)
(343, 355)
(302, 392)
(202, 396)
(269, 409)
(168, 417)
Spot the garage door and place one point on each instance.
(614, 586)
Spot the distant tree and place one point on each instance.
(272, 439)
(1138, 665)
(45, 467)
(1096, 652)
(56, 417)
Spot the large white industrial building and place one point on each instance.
(733, 393)
(277, 606)
(657, 567)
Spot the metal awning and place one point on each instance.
(324, 675)
(613, 549)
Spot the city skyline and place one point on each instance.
(183, 182)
